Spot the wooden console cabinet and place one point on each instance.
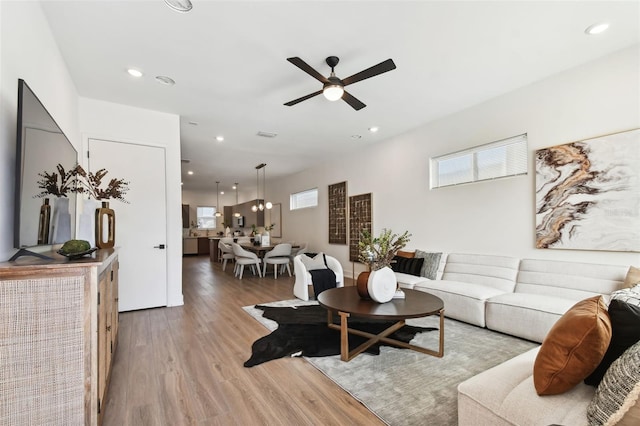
(58, 334)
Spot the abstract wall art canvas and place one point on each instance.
(338, 213)
(588, 194)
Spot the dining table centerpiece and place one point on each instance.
(379, 282)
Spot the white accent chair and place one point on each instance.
(245, 257)
(303, 277)
(227, 253)
(279, 258)
(296, 251)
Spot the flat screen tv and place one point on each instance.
(45, 210)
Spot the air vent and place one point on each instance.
(267, 134)
(184, 160)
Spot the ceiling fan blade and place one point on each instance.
(354, 102)
(304, 98)
(308, 69)
(382, 67)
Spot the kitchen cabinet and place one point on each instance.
(190, 245)
(60, 322)
(203, 245)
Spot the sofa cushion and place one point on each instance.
(571, 280)
(617, 395)
(624, 312)
(408, 281)
(462, 301)
(529, 316)
(430, 265)
(573, 348)
(633, 277)
(492, 271)
(505, 395)
(408, 254)
(407, 265)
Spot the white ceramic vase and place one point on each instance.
(87, 221)
(61, 220)
(382, 285)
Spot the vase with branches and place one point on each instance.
(378, 252)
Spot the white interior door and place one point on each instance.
(141, 226)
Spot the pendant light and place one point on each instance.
(236, 214)
(254, 208)
(267, 204)
(218, 212)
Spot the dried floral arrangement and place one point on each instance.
(378, 252)
(49, 184)
(77, 180)
(90, 184)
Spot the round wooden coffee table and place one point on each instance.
(346, 302)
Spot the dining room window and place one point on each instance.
(304, 199)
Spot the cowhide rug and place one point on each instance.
(303, 331)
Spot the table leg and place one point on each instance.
(344, 336)
(346, 355)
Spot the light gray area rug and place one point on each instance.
(405, 387)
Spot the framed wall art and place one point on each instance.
(588, 194)
(338, 213)
(360, 219)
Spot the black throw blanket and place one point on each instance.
(323, 279)
(303, 331)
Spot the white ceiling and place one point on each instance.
(228, 59)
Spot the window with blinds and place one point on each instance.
(504, 158)
(303, 199)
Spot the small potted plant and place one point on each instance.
(379, 283)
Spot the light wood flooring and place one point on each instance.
(184, 365)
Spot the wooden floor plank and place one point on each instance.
(184, 365)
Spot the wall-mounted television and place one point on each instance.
(45, 212)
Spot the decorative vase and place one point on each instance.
(61, 221)
(87, 222)
(105, 226)
(362, 285)
(382, 284)
(44, 222)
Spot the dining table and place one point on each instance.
(260, 250)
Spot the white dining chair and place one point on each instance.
(244, 257)
(227, 240)
(279, 258)
(227, 253)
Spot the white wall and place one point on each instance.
(110, 121)
(495, 217)
(28, 51)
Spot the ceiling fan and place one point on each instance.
(333, 87)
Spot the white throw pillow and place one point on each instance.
(313, 263)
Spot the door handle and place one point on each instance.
(161, 247)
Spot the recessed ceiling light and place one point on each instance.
(234, 187)
(355, 136)
(182, 6)
(167, 81)
(134, 72)
(597, 28)
(190, 172)
(221, 192)
(373, 129)
(220, 138)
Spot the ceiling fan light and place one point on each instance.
(182, 6)
(333, 92)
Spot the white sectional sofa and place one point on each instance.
(523, 298)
